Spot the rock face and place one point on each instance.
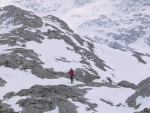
(62, 24)
(2, 82)
(127, 85)
(20, 17)
(139, 58)
(9, 95)
(47, 98)
(32, 105)
(144, 82)
(5, 108)
(143, 91)
(15, 61)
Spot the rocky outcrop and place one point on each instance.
(20, 17)
(85, 76)
(25, 59)
(2, 82)
(128, 85)
(46, 98)
(139, 57)
(32, 105)
(50, 91)
(144, 82)
(5, 108)
(56, 20)
(107, 102)
(143, 92)
(9, 95)
(146, 110)
(19, 36)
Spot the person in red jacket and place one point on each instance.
(71, 73)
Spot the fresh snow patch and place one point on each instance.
(54, 53)
(124, 65)
(13, 102)
(114, 95)
(144, 101)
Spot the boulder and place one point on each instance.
(128, 85)
(2, 82)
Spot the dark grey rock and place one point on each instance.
(84, 76)
(27, 35)
(2, 82)
(144, 82)
(51, 69)
(36, 105)
(48, 91)
(20, 16)
(107, 102)
(146, 110)
(62, 24)
(128, 85)
(21, 35)
(31, 110)
(80, 40)
(118, 105)
(17, 59)
(42, 73)
(139, 58)
(143, 92)
(109, 80)
(5, 108)
(9, 95)
(46, 98)
(91, 46)
(4, 105)
(66, 107)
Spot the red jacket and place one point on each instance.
(71, 72)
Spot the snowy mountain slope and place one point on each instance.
(118, 24)
(125, 65)
(70, 10)
(47, 47)
(44, 34)
(35, 45)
